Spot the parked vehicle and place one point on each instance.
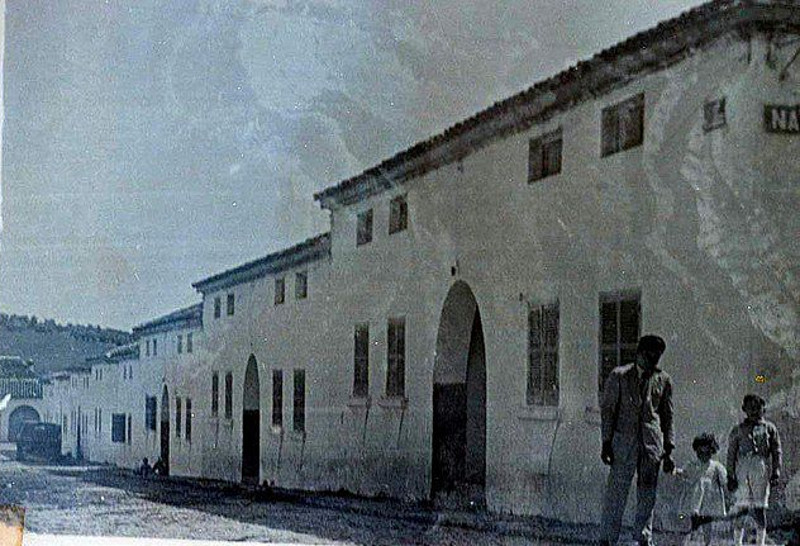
(39, 441)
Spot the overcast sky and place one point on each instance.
(150, 143)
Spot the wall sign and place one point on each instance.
(782, 119)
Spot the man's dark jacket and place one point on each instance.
(636, 407)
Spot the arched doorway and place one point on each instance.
(458, 469)
(165, 427)
(18, 417)
(251, 423)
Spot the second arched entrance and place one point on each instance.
(458, 466)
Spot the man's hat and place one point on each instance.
(652, 344)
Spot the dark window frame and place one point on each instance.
(617, 340)
(280, 291)
(361, 360)
(364, 227)
(395, 357)
(229, 395)
(622, 125)
(215, 394)
(188, 425)
(543, 382)
(189, 342)
(217, 307)
(180, 344)
(299, 401)
(178, 417)
(117, 428)
(545, 155)
(277, 399)
(398, 214)
(230, 304)
(714, 114)
(301, 285)
(150, 412)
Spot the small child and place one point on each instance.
(704, 496)
(753, 447)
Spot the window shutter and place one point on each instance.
(534, 354)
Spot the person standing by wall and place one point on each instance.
(638, 438)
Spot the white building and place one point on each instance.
(449, 336)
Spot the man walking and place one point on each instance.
(636, 414)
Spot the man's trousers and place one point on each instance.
(630, 459)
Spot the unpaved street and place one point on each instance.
(107, 501)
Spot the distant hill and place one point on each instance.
(54, 347)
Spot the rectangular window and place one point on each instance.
(100, 413)
(215, 394)
(147, 345)
(280, 290)
(301, 285)
(64, 425)
(277, 398)
(544, 156)
(130, 429)
(150, 412)
(130, 368)
(714, 115)
(180, 344)
(361, 361)
(623, 125)
(155, 347)
(124, 372)
(178, 416)
(188, 419)
(364, 228)
(620, 327)
(189, 343)
(398, 214)
(396, 357)
(543, 325)
(217, 307)
(118, 428)
(299, 414)
(231, 302)
(228, 395)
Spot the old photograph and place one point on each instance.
(419, 272)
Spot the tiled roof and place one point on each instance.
(13, 367)
(123, 352)
(310, 249)
(188, 317)
(653, 49)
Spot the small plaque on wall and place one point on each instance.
(782, 119)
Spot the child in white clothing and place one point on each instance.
(704, 495)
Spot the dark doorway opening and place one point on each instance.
(251, 423)
(458, 469)
(18, 418)
(165, 429)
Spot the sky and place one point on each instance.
(148, 144)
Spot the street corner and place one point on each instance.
(12, 524)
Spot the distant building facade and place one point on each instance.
(23, 385)
(451, 334)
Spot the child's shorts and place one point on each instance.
(752, 473)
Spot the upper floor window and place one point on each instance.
(543, 325)
(620, 328)
(714, 114)
(280, 290)
(189, 342)
(544, 156)
(150, 412)
(180, 343)
(188, 420)
(398, 214)
(217, 307)
(155, 347)
(301, 285)
(396, 357)
(147, 348)
(623, 125)
(231, 302)
(364, 228)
